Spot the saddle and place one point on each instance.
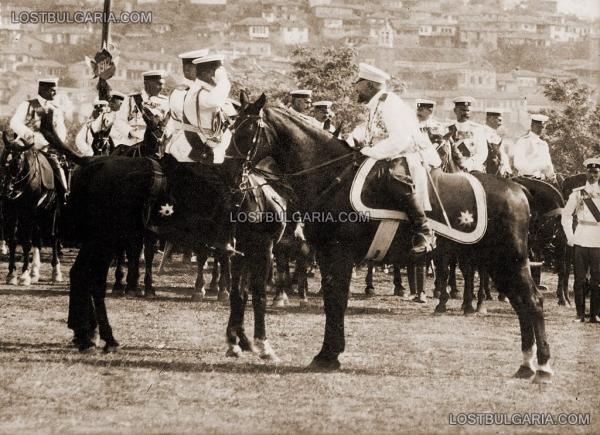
(39, 162)
(458, 201)
(544, 197)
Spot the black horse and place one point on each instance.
(31, 210)
(319, 166)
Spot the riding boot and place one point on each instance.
(424, 238)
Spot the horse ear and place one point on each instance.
(260, 103)
(244, 99)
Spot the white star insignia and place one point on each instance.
(466, 218)
(166, 210)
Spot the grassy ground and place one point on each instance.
(404, 370)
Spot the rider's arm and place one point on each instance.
(567, 217)
(122, 118)
(17, 122)
(59, 124)
(547, 166)
(217, 96)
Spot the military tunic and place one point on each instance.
(26, 121)
(129, 125)
(469, 142)
(531, 156)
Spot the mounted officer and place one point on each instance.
(493, 122)
(94, 135)
(392, 133)
(139, 111)
(531, 154)
(28, 123)
(584, 203)
(323, 114)
(199, 136)
(434, 129)
(469, 145)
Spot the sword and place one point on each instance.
(166, 252)
(435, 191)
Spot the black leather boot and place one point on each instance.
(424, 239)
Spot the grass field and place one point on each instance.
(404, 370)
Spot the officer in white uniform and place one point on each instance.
(323, 114)
(493, 122)
(434, 129)
(467, 137)
(129, 122)
(90, 136)
(531, 154)
(26, 123)
(392, 133)
(301, 101)
(584, 203)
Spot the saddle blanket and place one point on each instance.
(458, 201)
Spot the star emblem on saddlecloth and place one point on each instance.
(466, 218)
(166, 210)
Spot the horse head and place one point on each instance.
(494, 160)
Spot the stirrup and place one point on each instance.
(422, 244)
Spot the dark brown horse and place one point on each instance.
(317, 166)
(31, 209)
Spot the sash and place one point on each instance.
(591, 205)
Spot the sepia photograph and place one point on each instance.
(299, 217)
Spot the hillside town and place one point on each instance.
(438, 48)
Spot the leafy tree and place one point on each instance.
(574, 126)
(330, 73)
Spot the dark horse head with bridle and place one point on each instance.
(30, 210)
(317, 166)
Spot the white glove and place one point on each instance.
(221, 75)
(570, 242)
(299, 232)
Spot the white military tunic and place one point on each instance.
(472, 135)
(531, 156)
(392, 131)
(129, 123)
(587, 233)
(26, 122)
(202, 109)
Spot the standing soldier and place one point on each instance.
(531, 154)
(493, 122)
(27, 124)
(469, 144)
(584, 202)
(140, 108)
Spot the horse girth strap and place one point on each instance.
(159, 180)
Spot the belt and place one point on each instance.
(588, 223)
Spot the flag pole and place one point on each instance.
(103, 86)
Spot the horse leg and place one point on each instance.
(25, 278)
(134, 252)
(468, 272)
(282, 281)
(11, 278)
(57, 275)
(213, 287)
(119, 285)
(335, 262)
(224, 264)
(259, 266)
(237, 305)
(301, 269)
(441, 279)
(150, 241)
(369, 289)
(420, 278)
(99, 273)
(399, 289)
(484, 289)
(81, 309)
(454, 292)
(199, 292)
(35, 264)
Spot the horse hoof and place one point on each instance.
(150, 294)
(304, 302)
(87, 347)
(213, 288)
(234, 351)
(198, 296)
(57, 277)
(440, 309)
(542, 377)
(454, 294)
(468, 310)
(482, 310)
(265, 351)
(35, 276)
(370, 291)
(223, 296)
(562, 302)
(111, 346)
(25, 281)
(12, 280)
(524, 372)
(324, 364)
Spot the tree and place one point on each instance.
(574, 126)
(330, 73)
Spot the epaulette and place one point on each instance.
(383, 97)
(577, 189)
(182, 87)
